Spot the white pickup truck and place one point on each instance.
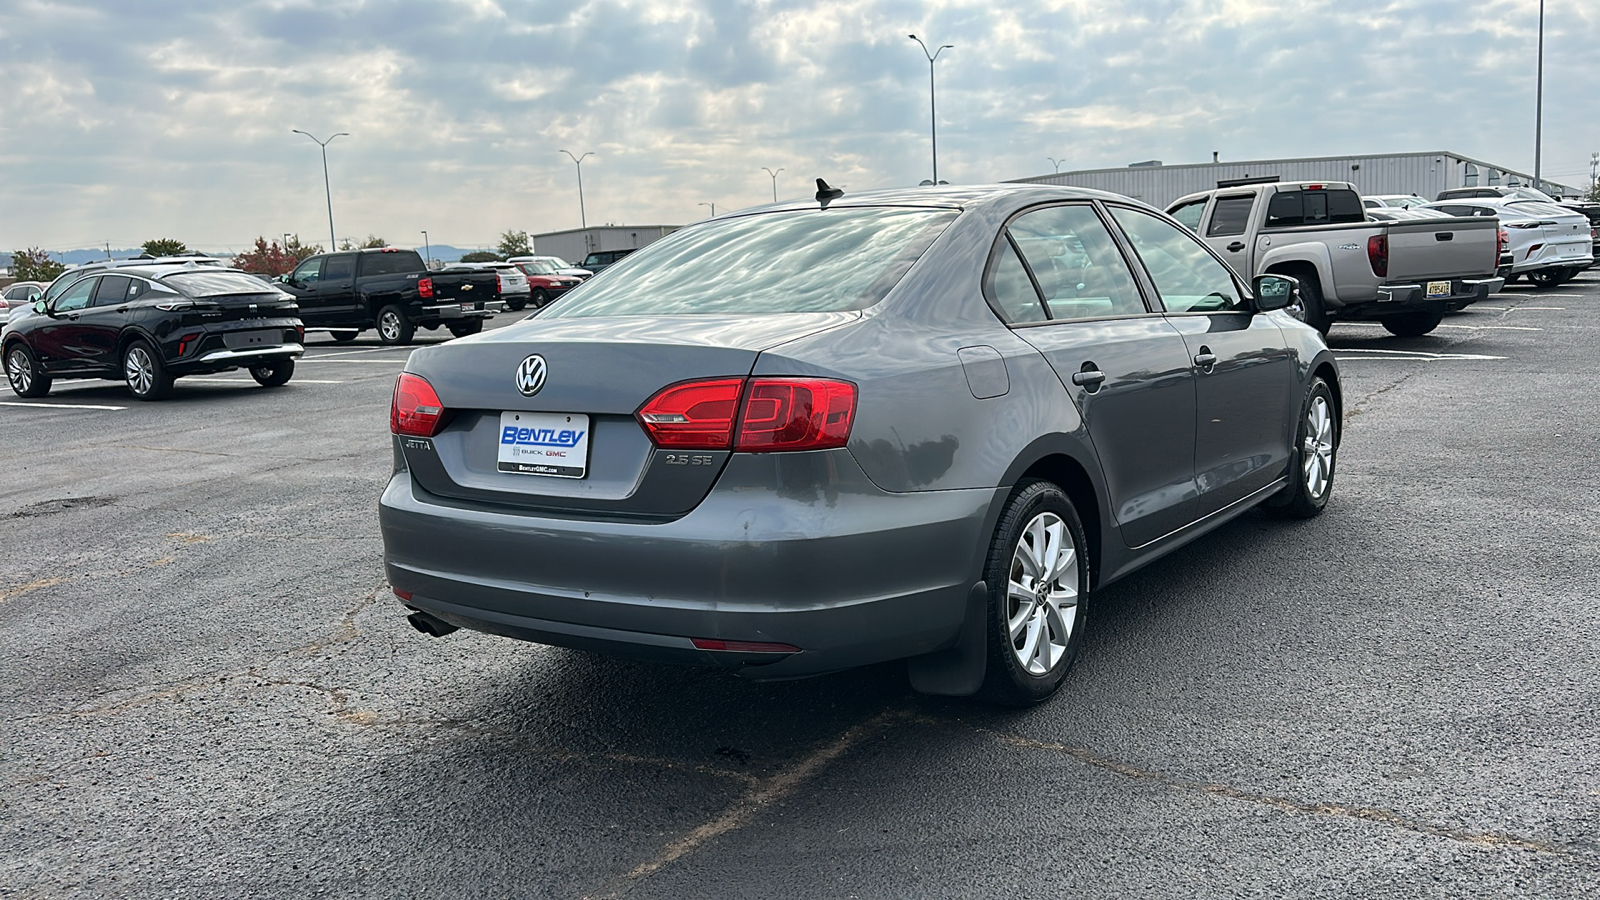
(1403, 274)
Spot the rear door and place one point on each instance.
(105, 317)
(1244, 376)
(1057, 276)
(338, 287)
(1225, 230)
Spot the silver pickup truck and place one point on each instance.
(1403, 274)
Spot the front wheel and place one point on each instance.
(273, 374)
(1412, 324)
(394, 327)
(26, 375)
(541, 298)
(344, 337)
(462, 329)
(517, 304)
(145, 372)
(1038, 578)
(1317, 445)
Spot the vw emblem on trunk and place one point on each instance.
(531, 375)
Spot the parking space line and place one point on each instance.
(249, 381)
(381, 362)
(1467, 327)
(59, 405)
(1417, 355)
(360, 352)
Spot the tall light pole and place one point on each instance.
(582, 216)
(1055, 162)
(774, 182)
(427, 251)
(933, 116)
(713, 209)
(1538, 107)
(333, 244)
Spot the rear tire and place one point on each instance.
(1038, 579)
(274, 374)
(517, 305)
(344, 337)
(1315, 457)
(394, 327)
(27, 377)
(1412, 324)
(462, 329)
(144, 371)
(1312, 310)
(1546, 278)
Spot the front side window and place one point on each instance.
(1186, 275)
(1076, 264)
(308, 272)
(843, 258)
(1231, 216)
(1189, 214)
(76, 296)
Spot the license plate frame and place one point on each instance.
(554, 445)
(252, 338)
(1439, 289)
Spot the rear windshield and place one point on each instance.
(216, 284)
(391, 262)
(808, 261)
(1335, 207)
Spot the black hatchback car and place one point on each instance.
(147, 324)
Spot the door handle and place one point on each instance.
(1205, 359)
(1089, 378)
(1236, 246)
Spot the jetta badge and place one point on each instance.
(531, 375)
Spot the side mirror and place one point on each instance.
(41, 309)
(1274, 291)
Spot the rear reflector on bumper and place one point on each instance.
(742, 646)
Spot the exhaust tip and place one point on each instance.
(431, 626)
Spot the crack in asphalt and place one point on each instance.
(763, 793)
(1372, 814)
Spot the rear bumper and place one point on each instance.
(453, 311)
(1398, 298)
(848, 573)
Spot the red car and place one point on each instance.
(545, 283)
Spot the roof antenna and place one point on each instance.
(825, 194)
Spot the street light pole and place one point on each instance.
(774, 182)
(582, 216)
(1055, 162)
(933, 118)
(1538, 107)
(713, 209)
(333, 244)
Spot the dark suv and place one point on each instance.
(601, 259)
(149, 324)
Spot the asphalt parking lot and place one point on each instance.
(207, 690)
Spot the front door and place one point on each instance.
(59, 340)
(1244, 374)
(1127, 369)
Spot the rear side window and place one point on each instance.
(392, 263)
(1230, 217)
(802, 261)
(1289, 208)
(1013, 293)
(113, 289)
(1076, 264)
(336, 268)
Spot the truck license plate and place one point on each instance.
(1438, 289)
(544, 444)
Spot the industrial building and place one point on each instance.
(573, 245)
(1425, 174)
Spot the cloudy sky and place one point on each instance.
(127, 120)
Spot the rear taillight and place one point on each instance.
(500, 282)
(1378, 254)
(693, 415)
(425, 288)
(416, 409)
(756, 415)
(1501, 243)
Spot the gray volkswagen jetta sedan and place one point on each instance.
(919, 424)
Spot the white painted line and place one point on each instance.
(1493, 327)
(358, 352)
(1537, 308)
(60, 405)
(243, 381)
(1414, 355)
(381, 362)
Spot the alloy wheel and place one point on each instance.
(139, 370)
(1042, 596)
(21, 372)
(389, 326)
(1316, 456)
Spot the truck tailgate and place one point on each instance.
(1463, 246)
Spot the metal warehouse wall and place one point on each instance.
(574, 245)
(1423, 173)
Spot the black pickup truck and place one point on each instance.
(391, 290)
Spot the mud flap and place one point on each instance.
(957, 671)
